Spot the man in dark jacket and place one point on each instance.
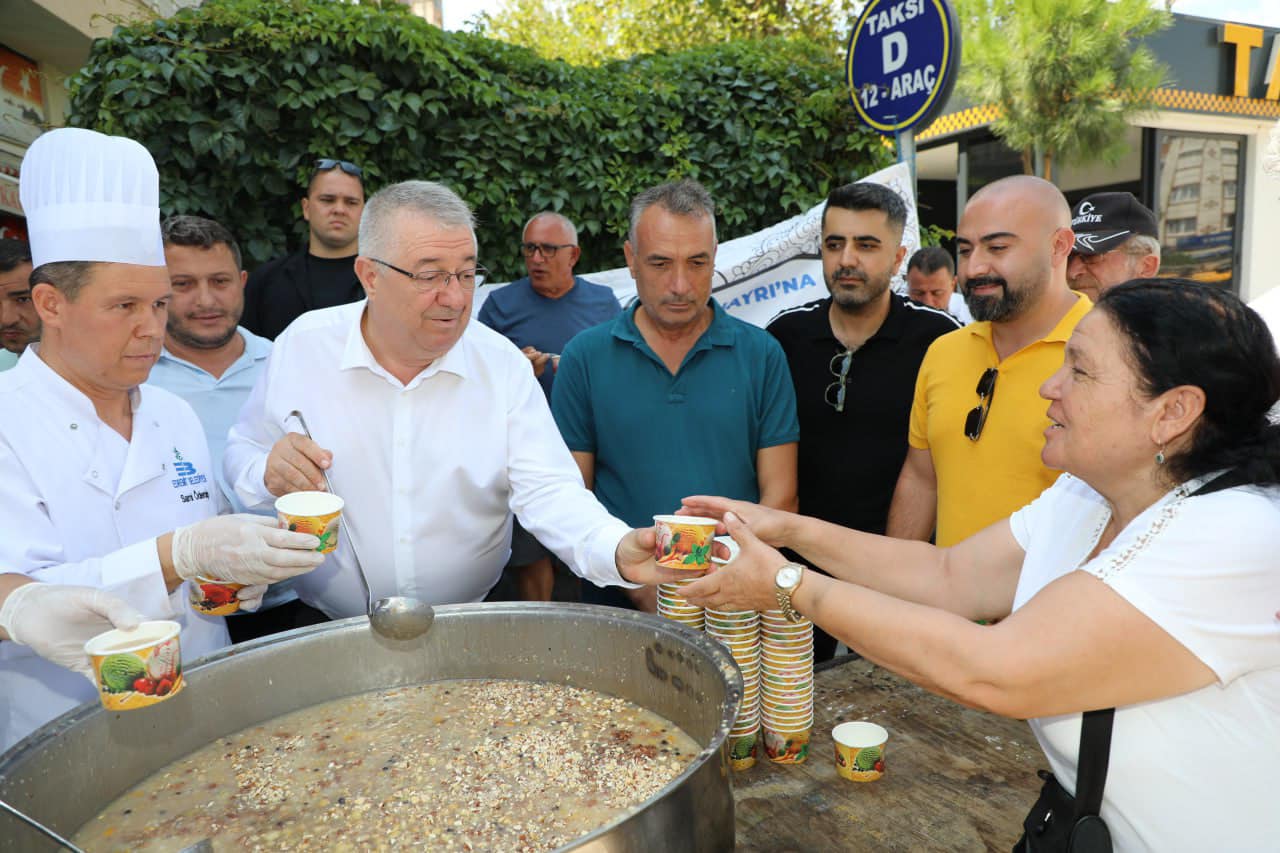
(322, 274)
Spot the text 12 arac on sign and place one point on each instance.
(902, 62)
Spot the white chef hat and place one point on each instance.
(91, 197)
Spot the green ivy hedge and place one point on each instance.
(236, 98)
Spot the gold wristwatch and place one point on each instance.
(785, 582)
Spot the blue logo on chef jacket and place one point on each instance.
(186, 471)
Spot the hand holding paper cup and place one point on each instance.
(56, 620)
(316, 513)
(244, 548)
(213, 597)
(684, 542)
(137, 668)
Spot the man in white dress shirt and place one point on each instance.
(106, 482)
(431, 428)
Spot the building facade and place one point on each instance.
(1197, 161)
(43, 43)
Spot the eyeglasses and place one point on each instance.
(841, 373)
(325, 164)
(548, 250)
(431, 280)
(977, 418)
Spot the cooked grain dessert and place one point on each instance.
(451, 765)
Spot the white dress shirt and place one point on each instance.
(430, 471)
(80, 505)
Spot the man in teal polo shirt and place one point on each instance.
(675, 397)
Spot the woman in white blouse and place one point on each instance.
(1115, 588)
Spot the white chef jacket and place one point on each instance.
(79, 505)
(430, 471)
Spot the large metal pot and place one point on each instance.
(72, 768)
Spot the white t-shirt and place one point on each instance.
(1268, 307)
(1200, 771)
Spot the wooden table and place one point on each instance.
(956, 779)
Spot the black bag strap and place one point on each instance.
(1228, 480)
(1095, 754)
(1095, 729)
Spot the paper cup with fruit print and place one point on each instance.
(785, 745)
(312, 512)
(684, 542)
(213, 597)
(743, 746)
(134, 669)
(860, 750)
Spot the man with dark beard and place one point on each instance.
(978, 422)
(853, 358)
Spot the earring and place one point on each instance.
(1160, 455)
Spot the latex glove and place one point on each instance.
(56, 620)
(251, 596)
(243, 548)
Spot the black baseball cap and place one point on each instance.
(1103, 221)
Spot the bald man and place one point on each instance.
(978, 421)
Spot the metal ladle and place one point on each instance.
(397, 617)
(201, 846)
(32, 822)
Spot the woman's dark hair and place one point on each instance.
(1182, 332)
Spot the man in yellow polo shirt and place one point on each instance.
(978, 421)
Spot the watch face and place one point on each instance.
(788, 576)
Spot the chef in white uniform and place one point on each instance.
(106, 482)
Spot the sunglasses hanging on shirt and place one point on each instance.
(977, 418)
(840, 370)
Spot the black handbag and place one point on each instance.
(1059, 822)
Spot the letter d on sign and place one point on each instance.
(895, 51)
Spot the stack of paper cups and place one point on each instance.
(786, 686)
(739, 630)
(676, 607)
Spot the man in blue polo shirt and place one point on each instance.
(540, 313)
(212, 362)
(675, 397)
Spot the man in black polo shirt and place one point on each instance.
(853, 359)
(322, 273)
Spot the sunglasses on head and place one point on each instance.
(325, 164)
(977, 418)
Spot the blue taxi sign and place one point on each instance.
(902, 62)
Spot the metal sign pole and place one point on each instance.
(904, 142)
